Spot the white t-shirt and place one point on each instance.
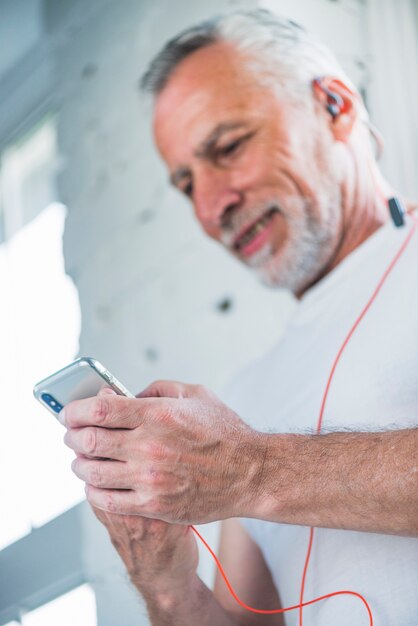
(375, 386)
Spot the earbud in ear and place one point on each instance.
(335, 102)
(334, 110)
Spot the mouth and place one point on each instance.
(253, 237)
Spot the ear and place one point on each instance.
(340, 104)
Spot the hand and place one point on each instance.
(175, 453)
(160, 558)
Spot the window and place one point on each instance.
(39, 328)
(76, 607)
(27, 178)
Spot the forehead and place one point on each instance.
(213, 85)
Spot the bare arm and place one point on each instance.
(189, 459)
(357, 481)
(195, 605)
(249, 575)
(161, 560)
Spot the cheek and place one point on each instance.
(253, 166)
(268, 169)
(260, 164)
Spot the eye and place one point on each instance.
(231, 147)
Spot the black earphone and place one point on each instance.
(397, 211)
(335, 102)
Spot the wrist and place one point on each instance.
(270, 482)
(253, 469)
(166, 596)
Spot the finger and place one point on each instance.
(164, 389)
(99, 442)
(129, 502)
(116, 523)
(117, 501)
(105, 410)
(107, 391)
(102, 474)
(170, 389)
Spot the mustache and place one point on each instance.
(237, 221)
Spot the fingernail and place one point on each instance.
(61, 416)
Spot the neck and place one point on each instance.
(365, 195)
(362, 215)
(364, 209)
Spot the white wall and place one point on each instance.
(393, 60)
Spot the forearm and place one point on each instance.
(194, 604)
(356, 481)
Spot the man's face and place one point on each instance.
(257, 170)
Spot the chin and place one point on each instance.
(290, 270)
(278, 281)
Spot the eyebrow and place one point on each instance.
(206, 147)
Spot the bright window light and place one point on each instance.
(39, 329)
(27, 177)
(76, 607)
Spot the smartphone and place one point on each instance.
(81, 379)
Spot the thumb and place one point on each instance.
(107, 391)
(165, 389)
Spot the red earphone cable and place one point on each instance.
(331, 376)
(275, 611)
(318, 429)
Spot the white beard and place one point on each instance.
(310, 246)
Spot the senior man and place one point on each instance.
(262, 130)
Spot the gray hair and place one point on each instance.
(277, 47)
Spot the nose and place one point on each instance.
(215, 200)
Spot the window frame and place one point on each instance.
(40, 567)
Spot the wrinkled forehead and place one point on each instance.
(210, 86)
